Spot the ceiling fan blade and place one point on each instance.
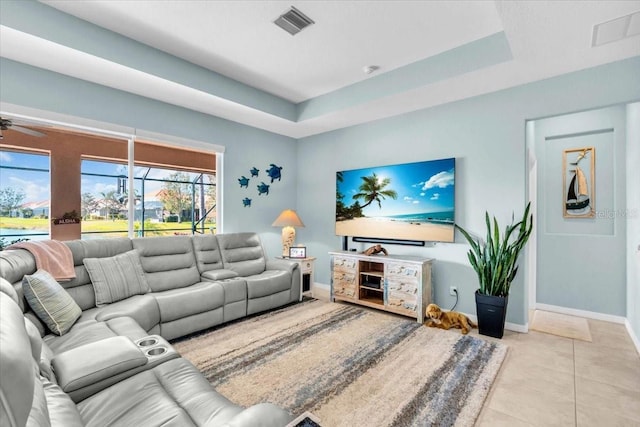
(27, 131)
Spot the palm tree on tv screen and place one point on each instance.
(372, 190)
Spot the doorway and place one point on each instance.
(577, 259)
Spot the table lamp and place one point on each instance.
(288, 219)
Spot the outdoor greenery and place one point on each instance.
(112, 203)
(88, 204)
(372, 189)
(106, 212)
(176, 196)
(6, 242)
(10, 200)
(38, 225)
(495, 260)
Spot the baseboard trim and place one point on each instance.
(515, 327)
(582, 313)
(632, 334)
(322, 286)
(508, 326)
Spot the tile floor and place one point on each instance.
(548, 380)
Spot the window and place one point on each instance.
(173, 186)
(25, 186)
(166, 201)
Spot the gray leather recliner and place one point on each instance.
(172, 393)
(98, 373)
(196, 282)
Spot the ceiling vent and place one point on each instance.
(616, 29)
(293, 21)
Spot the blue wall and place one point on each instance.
(41, 20)
(245, 146)
(576, 265)
(486, 134)
(633, 220)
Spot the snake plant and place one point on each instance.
(495, 260)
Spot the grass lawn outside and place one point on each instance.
(24, 223)
(39, 225)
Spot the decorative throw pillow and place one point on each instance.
(116, 278)
(50, 301)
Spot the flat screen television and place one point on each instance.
(410, 201)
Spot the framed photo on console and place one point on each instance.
(297, 252)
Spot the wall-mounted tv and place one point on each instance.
(410, 201)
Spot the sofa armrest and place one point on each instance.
(220, 274)
(260, 415)
(282, 264)
(90, 363)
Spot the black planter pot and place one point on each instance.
(492, 312)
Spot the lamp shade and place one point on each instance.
(288, 218)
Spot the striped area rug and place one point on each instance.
(349, 366)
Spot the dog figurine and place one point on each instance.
(376, 249)
(436, 318)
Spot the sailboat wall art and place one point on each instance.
(579, 182)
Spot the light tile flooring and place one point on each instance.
(548, 380)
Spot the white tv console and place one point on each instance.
(399, 284)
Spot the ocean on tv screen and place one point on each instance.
(412, 201)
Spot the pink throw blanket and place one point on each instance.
(52, 256)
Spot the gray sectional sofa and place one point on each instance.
(114, 365)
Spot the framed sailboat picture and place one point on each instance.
(579, 182)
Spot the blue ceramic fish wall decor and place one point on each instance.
(263, 189)
(274, 172)
(244, 182)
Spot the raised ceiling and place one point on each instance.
(429, 53)
(238, 38)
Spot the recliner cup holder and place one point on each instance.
(148, 342)
(156, 351)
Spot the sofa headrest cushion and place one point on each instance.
(8, 289)
(207, 252)
(98, 248)
(15, 263)
(242, 253)
(168, 262)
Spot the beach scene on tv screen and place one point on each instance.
(410, 201)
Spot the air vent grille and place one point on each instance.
(293, 21)
(616, 29)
